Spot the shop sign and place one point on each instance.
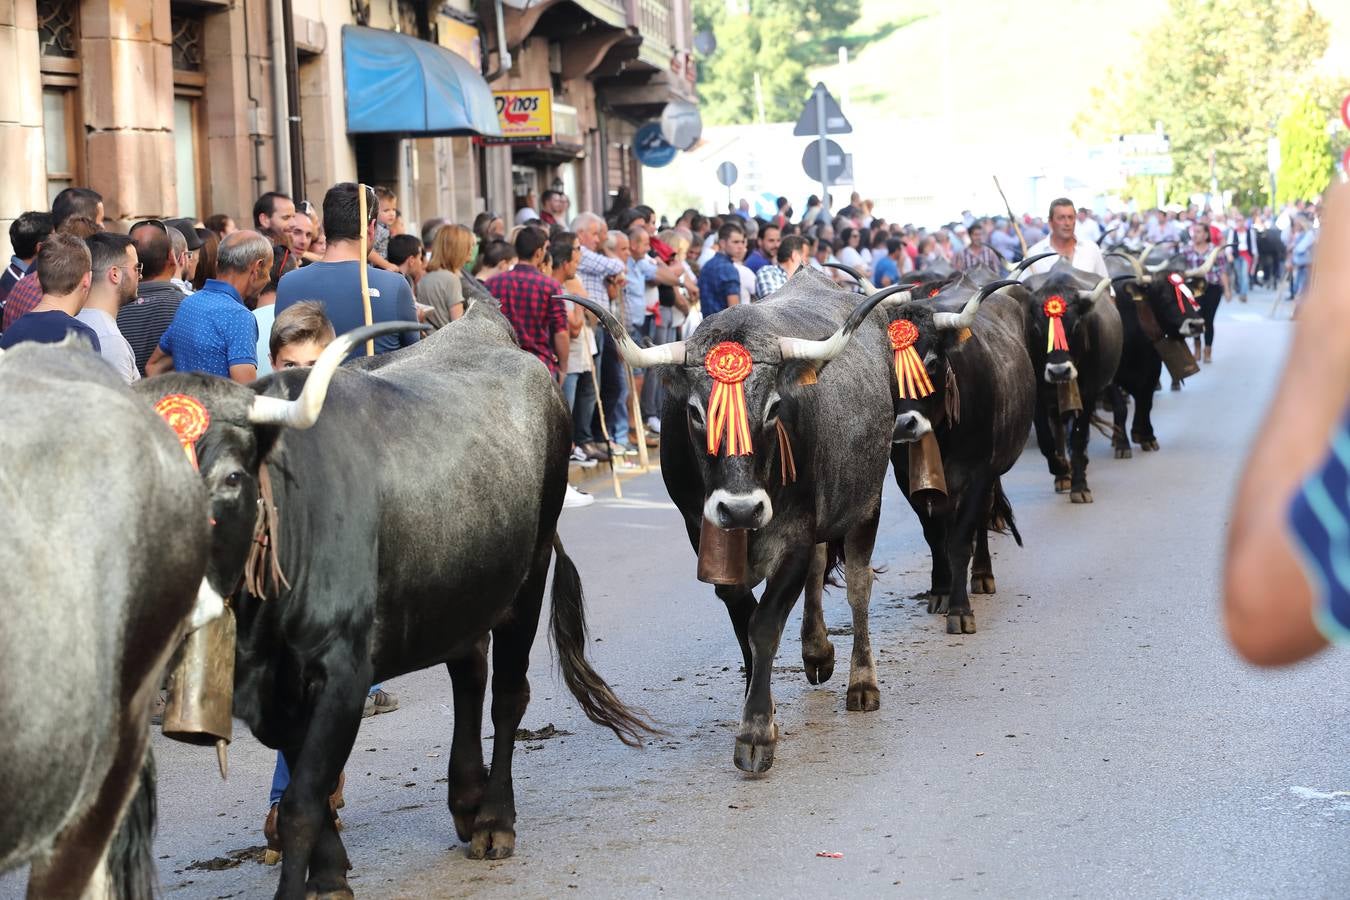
(525, 117)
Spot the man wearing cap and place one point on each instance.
(187, 263)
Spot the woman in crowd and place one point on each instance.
(1214, 284)
(493, 259)
(206, 257)
(442, 288)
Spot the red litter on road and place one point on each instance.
(830, 854)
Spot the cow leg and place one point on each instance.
(970, 514)
(467, 775)
(935, 533)
(309, 839)
(817, 651)
(740, 603)
(1142, 429)
(1079, 492)
(1120, 410)
(494, 830)
(982, 568)
(863, 693)
(1050, 438)
(758, 734)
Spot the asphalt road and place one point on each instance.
(1096, 738)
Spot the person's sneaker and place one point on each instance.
(617, 450)
(580, 458)
(379, 702)
(575, 499)
(654, 425)
(596, 452)
(653, 440)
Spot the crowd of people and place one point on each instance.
(210, 296)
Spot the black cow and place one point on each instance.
(807, 470)
(1156, 302)
(106, 542)
(416, 516)
(1079, 354)
(977, 398)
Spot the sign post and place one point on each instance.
(822, 117)
(726, 175)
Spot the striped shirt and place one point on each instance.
(144, 322)
(983, 255)
(594, 269)
(769, 279)
(1320, 519)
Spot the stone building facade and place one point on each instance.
(172, 108)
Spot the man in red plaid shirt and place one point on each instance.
(529, 302)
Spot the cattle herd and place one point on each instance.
(343, 566)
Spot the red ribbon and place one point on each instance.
(729, 365)
(1054, 311)
(188, 418)
(911, 377)
(1183, 293)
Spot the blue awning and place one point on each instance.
(398, 84)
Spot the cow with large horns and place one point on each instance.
(1073, 336)
(1158, 312)
(381, 529)
(106, 545)
(778, 438)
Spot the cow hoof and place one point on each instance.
(982, 584)
(464, 825)
(820, 668)
(863, 698)
(1149, 446)
(960, 623)
(937, 603)
(1083, 496)
(756, 759)
(339, 890)
(1124, 453)
(271, 857)
(492, 843)
(1062, 485)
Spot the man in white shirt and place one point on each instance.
(1087, 228)
(116, 276)
(1081, 254)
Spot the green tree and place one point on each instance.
(1305, 151)
(1217, 74)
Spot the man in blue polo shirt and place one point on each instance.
(719, 284)
(213, 330)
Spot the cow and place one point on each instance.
(777, 421)
(966, 379)
(1156, 302)
(413, 519)
(106, 545)
(1073, 335)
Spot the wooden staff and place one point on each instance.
(1011, 218)
(365, 276)
(638, 427)
(604, 429)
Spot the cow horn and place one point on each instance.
(1204, 268)
(303, 411)
(946, 321)
(1018, 269)
(832, 346)
(1134, 262)
(671, 354)
(1095, 294)
(853, 273)
(1143, 254)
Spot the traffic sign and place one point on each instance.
(810, 121)
(727, 174)
(1345, 110)
(835, 157)
(651, 148)
(1345, 162)
(681, 124)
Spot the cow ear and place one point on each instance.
(265, 437)
(798, 373)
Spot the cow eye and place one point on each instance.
(696, 414)
(234, 479)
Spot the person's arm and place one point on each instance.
(406, 313)
(380, 262)
(1268, 602)
(244, 373)
(159, 362)
(562, 341)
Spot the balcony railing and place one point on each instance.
(653, 21)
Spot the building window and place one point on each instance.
(62, 126)
(58, 118)
(189, 83)
(187, 44)
(57, 32)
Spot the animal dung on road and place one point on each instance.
(830, 854)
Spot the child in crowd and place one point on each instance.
(385, 217)
(495, 258)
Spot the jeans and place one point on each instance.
(281, 774)
(1209, 308)
(613, 392)
(1243, 276)
(1300, 282)
(579, 389)
(654, 389)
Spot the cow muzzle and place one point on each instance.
(909, 427)
(1060, 372)
(1192, 327)
(752, 509)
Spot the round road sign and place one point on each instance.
(1345, 110)
(726, 174)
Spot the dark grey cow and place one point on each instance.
(818, 416)
(416, 517)
(106, 541)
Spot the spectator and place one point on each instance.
(206, 258)
(77, 201)
(115, 274)
(385, 216)
(1304, 237)
(214, 331)
(719, 284)
(497, 257)
(1214, 284)
(1087, 228)
(886, 270)
(71, 203)
(298, 336)
(63, 269)
(302, 238)
(221, 224)
(144, 322)
(767, 251)
(26, 234)
(442, 288)
(336, 280)
(978, 253)
(603, 277)
(579, 383)
(527, 212)
(272, 216)
(644, 272)
(405, 253)
(791, 256)
(1004, 240)
(265, 312)
(189, 255)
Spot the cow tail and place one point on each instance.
(568, 623)
(131, 865)
(1001, 514)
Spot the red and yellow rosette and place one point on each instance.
(1055, 339)
(1183, 293)
(188, 418)
(729, 365)
(910, 374)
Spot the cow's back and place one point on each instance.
(996, 384)
(105, 545)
